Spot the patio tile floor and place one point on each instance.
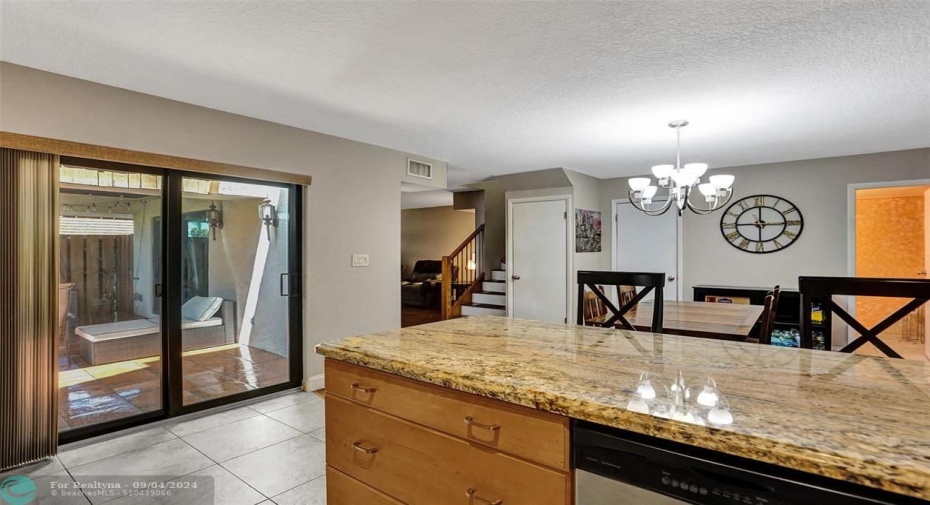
(91, 394)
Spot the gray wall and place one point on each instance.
(495, 205)
(353, 205)
(817, 187)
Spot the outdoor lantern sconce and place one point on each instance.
(215, 218)
(269, 215)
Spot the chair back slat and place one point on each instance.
(822, 290)
(628, 296)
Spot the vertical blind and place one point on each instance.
(29, 312)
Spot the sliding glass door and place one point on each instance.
(181, 292)
(110, 346)
(236, 287)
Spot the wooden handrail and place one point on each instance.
(461, 247)
(458, 280)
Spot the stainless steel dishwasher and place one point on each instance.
(617, 467)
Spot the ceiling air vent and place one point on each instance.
(419, 169)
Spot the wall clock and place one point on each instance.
(761, 224)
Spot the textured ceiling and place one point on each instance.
(507, 87)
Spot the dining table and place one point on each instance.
(726, 321)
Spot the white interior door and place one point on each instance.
(538, 266)
(645, 243)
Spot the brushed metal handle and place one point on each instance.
(361, 448)
(473, 497)
(470, 421)
(515, 277)
(358, 386)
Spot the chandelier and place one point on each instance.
(680, 182)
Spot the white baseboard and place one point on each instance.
(314, 383)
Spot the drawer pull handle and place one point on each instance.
(473, 497)
(470, 421)
(358, 386)
(361, 448)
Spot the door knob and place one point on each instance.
(515, 277)
(671, 278)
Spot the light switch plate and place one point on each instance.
(359, 260)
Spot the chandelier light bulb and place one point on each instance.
(707, 189)
(697, 169)
(639, 183)
(722, 181)
(663, 171)
(648, 193)
(684, 179)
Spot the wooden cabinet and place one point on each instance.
(344, 490)
(424, 444)
(533, 435)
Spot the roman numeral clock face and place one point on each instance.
(761, 224)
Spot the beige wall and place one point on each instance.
(353, 205)
(431, 233)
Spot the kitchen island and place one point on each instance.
(852, 418)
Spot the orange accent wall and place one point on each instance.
(889, 243)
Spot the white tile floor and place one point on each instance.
(271, 452)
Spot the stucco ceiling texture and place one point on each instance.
(503, 87)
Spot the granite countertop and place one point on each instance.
(850, 417)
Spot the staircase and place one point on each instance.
(492, 298)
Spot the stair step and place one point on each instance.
(494, 286)
(489, 298)
(483, 309)
(498, 275)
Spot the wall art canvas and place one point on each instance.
(587, 230)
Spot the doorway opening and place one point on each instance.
(431, 227)
(891, 239)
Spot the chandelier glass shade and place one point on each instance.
(680, 182)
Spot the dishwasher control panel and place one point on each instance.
(710, 492)
(642, 464)
(685, 484)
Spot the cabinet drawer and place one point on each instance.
(421, 466)
(530, 434)
(344, 490)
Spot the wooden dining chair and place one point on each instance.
(594, 309)
(767, 321)
(821, 290)
(649, 281)
(625, 294)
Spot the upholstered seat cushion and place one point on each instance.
(135, 328)
(201, 308)
(121, 329)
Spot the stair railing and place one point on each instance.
(462, 273)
